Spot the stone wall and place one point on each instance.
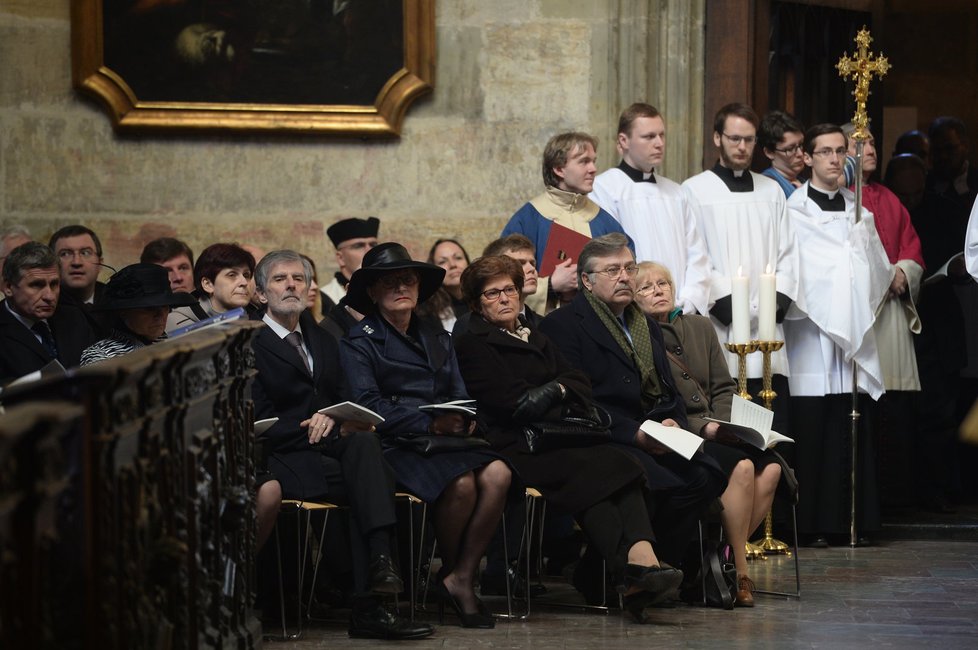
(510, 73)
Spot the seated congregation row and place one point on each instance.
(637, 503)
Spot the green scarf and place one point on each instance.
(639, 349)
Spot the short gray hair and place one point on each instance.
(603, 246)
(268, 262)
(14, 231)
(32, 255)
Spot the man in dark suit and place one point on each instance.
(314, 456)
(621, 350)
(79, 254)
(34, 328)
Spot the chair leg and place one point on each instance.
(797, 593)
(319, 557)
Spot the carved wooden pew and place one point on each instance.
(166, 464)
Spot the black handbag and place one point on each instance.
(574, 429)
(429, 444)
(717, 575)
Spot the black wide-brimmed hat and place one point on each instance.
(383, 259)
(141, 285)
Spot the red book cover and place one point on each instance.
(562, 244)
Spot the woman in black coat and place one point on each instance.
(396, 362)
(518, 376)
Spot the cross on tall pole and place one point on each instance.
(860, 69)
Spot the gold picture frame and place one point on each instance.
(141, 89)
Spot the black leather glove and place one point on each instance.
(537, 401)
(723, 310)
(784, 303)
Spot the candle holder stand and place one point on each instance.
(768, 544)
(742, 350)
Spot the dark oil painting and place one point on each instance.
(254, 51)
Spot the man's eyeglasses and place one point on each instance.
(661, 285)
(492, 295)
(398, 280)
(823, 153)
(789, 151)
(749, 140)
(614, 272)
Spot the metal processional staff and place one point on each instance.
(860, 68)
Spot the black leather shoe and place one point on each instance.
(383, 576)
(659, 581)
(376, 622)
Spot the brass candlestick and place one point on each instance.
(768, 544)
(742, 350)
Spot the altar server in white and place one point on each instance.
(845, 277)
(652, 209)
(742, 218)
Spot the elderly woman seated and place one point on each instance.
(518, 376)
(396, 362)
(139, 298)
(707, 388)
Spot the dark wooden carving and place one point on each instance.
(167, 468)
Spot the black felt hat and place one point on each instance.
(383, 259)
(352, 228)
(141, 285)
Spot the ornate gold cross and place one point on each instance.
(861, 67)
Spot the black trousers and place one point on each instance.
(614, 525)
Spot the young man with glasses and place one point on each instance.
(743, 220)
(603, 333)
(781, 137)
(845, 277)
(351, 238)
(652, 209)
(79, 254)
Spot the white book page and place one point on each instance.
(681, 441)
(749, 414)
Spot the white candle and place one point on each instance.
(768, 306)
(740, 306)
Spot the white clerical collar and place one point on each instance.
(737, 172)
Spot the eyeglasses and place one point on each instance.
(492, 295)
(737, 139)
(824, 153)
(68, 254)
(789, 151)
(408, 279)
(661, 285)
(614, 272)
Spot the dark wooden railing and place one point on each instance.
(127, 501)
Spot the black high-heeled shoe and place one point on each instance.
(636, 603)
(658, 581)
(481, 619)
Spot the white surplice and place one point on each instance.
(658, 219)
(749, 231)
(844, 278)
(971, 243)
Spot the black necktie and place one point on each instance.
(295, 340)
(47, 339)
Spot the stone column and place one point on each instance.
(655, 53)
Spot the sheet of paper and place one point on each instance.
(681, 441)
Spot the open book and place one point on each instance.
(679, 440)
(465, 407)
(349, 411)
(52, 368)
(237, 313)
(752, 423)
(942, 272)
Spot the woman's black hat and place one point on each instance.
(383, 259)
